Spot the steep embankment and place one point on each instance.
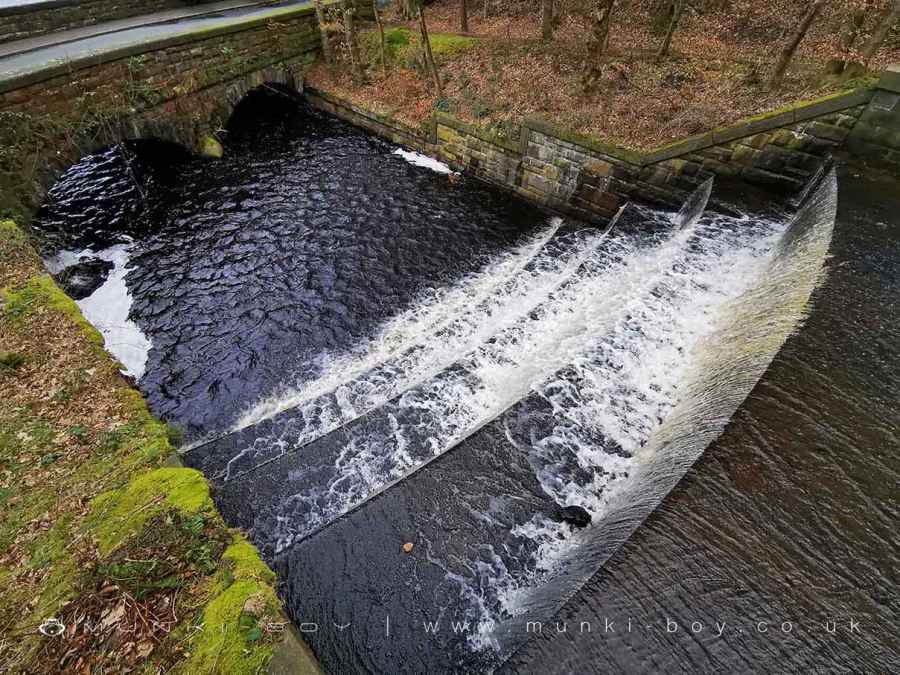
(97, 529)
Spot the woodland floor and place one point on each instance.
(501, 72)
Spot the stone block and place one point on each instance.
(721, 168)
(833, 103)
(537, 184)
(827, 131)
(789, 138)
(758, 141)
(597, 167)
(770, 179)
(744, 154)
(890, 79)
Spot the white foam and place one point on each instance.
(432, 312)
(619, 387)
(419, 159)
(108, 307)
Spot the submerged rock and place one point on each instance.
(211, 148)
(83, 278)
(574, 515)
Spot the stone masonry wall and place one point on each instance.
(24, 21)
(876, 136)
(178, 91)
(581, 177)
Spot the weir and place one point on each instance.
(571, 366)
(587, 369)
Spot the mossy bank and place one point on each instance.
(98, 528)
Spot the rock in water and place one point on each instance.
(574, 515)
(84, 277)
(211, 148)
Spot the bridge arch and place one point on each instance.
(180, 89)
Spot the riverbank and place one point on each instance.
(99, 529)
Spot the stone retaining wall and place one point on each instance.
(39, 18)
(582, 177)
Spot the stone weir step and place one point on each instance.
(276, 481)
(229, 456)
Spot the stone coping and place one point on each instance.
(750, 126)
(890, 79)
(224, 27)
(422, 134)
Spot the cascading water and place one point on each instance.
(673, 355)
(573, 366)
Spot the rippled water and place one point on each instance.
(367, 352)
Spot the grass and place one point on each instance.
(403, 47)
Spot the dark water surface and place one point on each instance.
(286, 289)
(309, 235)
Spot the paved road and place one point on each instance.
(18, 3)
(147, 29)
(104, 27)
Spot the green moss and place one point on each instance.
(118, 514)
(210, 147)
(50, 546)
(403, 47)
(32, 506)
(246, 563)
(11, 234)
(41, 292)
(225, 643)
(446, 44)
(23, 434)
(57, 589)
(231, 636)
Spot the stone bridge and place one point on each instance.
(65, 94)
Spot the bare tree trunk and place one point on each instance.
(855, 20)
(380, 36)
(597, 45)
(463, 16)
(429, 57)
(546, 20)
(677, 9)
(787, 54)
(885, 23)
(326, 44)
(350, 37)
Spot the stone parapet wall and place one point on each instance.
(40, 18)
(150, 78)
(582, 177)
